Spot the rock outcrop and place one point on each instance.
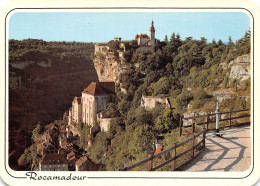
(109, 67)
(240, 68)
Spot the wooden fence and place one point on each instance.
(196, 143)
(209, 121)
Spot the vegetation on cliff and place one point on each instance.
(51, 74)
(186, 71)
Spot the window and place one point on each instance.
(64, 165)
(58, 165)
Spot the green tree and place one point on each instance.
(166, 122)
(182, 101)
(99, 148)
(114, 45)
(38, 129)
(141, 142)
(162, 86)
(166, 39)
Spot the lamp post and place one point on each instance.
(217, 117)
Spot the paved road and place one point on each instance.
(232, 152)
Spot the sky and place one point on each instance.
(104, 26)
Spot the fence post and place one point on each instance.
(230, 122)
(193, 128)
(173, 156)
(204, 139)
(180, 126)
(207, 122)
(193, 146)
(150, 163)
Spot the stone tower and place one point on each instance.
(152, 34)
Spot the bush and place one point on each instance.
(38, 129)
(182, 101)
(162, 86)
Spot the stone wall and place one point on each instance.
(191, 114)
(104, 124)
(150, 101)
(143, 48)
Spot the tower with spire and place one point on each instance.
(152, 34)
(144, 41)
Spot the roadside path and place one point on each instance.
(232, 152)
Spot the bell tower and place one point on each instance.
(152, 34)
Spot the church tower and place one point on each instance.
(152, 34)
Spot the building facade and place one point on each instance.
(149, 102)
(76, 110)
(53, 162)
(144, 41)
(94, 100)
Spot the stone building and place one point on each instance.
(110, 64)
(53, 162)
(94, 100)
(144, 41)
(101, 47)
(149, 102)
(76, 109)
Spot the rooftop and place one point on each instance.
(77, 99)
(100, 88)
(53, 158)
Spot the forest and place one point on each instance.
(187, 71)
(51, 74)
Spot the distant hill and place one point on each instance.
(43, 79)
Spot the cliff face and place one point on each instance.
(240, 68)
(109, 67)
(42, 83)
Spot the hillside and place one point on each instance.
(193, 74)
(43, 79)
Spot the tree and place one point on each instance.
(141, 142)
(166, 122)
(38, 129)
(182, 101)
(220, 42)
(166, 39)
(112, 110)
(114, 45)
(99, 147)
(162, 86)
(22, 160)
(230, 42)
